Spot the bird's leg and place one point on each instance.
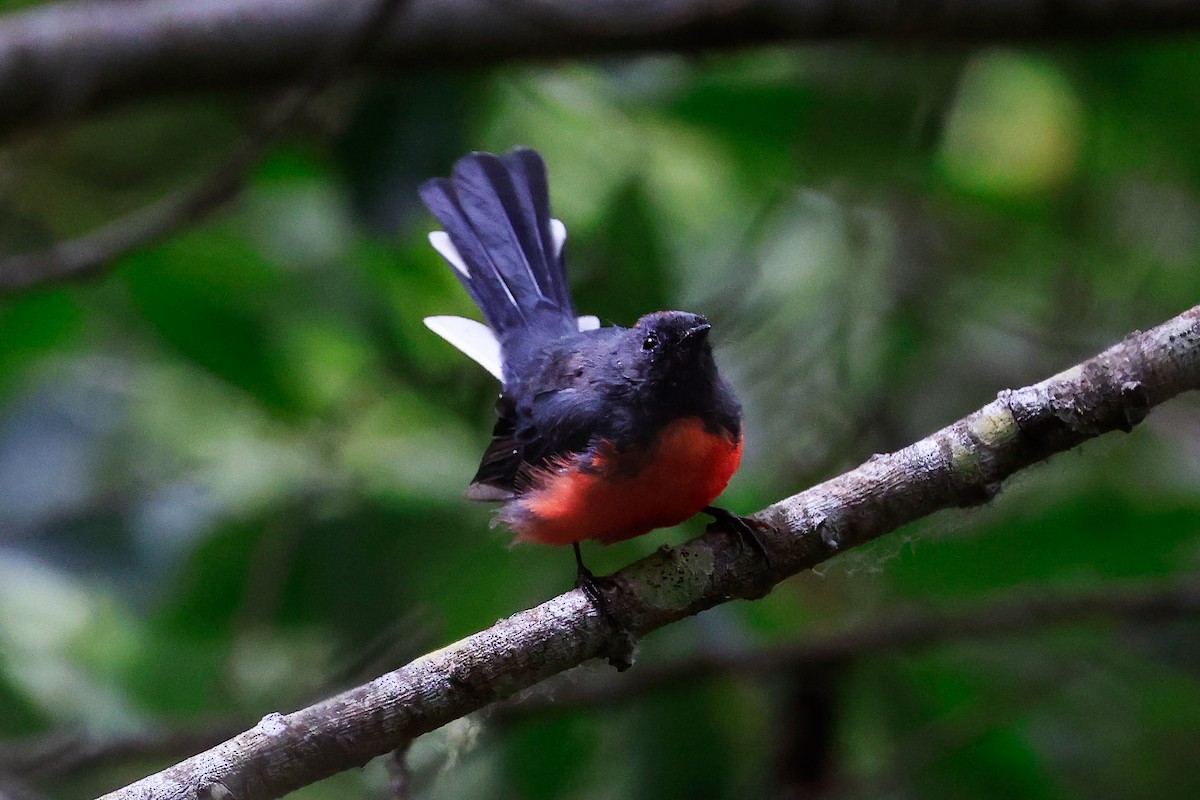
(621, 645)
(620, 648)
(742, 527)
(586, 581)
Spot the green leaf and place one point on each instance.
(33, 325)
(206, 295)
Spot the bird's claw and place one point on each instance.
(589, 584)
(742, 528)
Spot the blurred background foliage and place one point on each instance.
(231, 468)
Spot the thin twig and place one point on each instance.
(400, 779)
(13, 788)
(71, 752)
(1017, 612)
(87, 255)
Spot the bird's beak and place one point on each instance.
(697, 331)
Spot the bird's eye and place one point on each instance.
(650, 342)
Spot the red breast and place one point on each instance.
(626, 494)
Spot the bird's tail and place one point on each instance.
(503, 245)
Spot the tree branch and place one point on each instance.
(960, 465)
(65, 59)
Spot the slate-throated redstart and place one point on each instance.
(603, 433)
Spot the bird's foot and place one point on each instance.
(590, 585)
(620, 654)
(742, 528)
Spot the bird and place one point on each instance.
(601, 433)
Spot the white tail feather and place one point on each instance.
(559, 232)
(474, 339)
(441, 242)
(478, 343)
